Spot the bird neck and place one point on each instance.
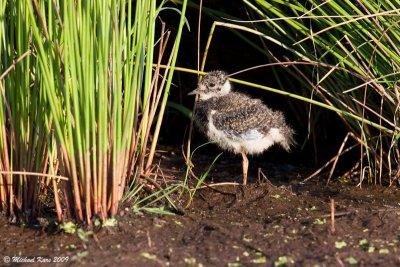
(226, 88)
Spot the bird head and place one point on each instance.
(214, 84)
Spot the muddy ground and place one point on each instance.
(274, 221)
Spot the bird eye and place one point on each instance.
(212, 84)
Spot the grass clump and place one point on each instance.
(79, 98)
(341, 56)
(347, 56)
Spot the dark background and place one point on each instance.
(230, 53)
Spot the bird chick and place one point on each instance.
(237, 122)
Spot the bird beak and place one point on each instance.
(194, 92)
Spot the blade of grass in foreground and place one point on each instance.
(91, 86)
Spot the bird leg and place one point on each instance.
(245, 166)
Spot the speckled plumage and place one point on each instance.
(237, 122)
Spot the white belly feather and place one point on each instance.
(252, 141)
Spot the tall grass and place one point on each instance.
(345, 58)
(83, 103)
(25, 142)
(346, 54)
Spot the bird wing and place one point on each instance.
(247, 122)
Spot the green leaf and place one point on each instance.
(260, 260)
(384, 251)
(340, 244)
(351, 260)
(68, 227)
(148, 256)
(319, 221)
(111, 222)
(283, 261)
(84, 236)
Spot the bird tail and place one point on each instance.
(288, 141)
